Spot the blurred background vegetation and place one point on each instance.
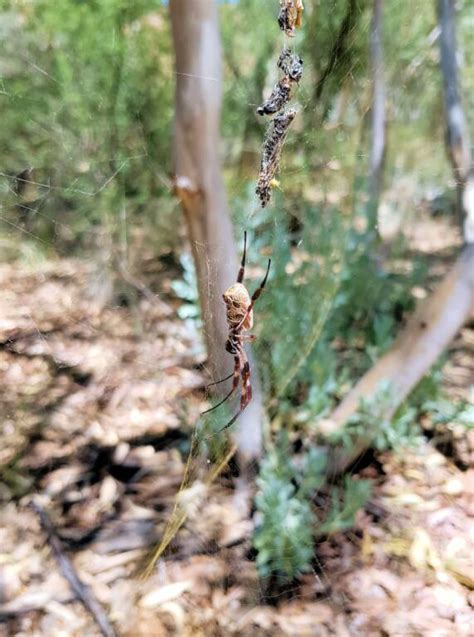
(87, 92)
(86, 144)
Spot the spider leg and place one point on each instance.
(246, 396)
(255, 297)
(239, 337)
(235, 384)
(246, 387)
(240, 276)
(222, 380)
(259, 290)
(231, 421)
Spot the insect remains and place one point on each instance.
(239, 312)
(290, 16)
(292, 67)
(271, 153)
(278, 98)
(291, 64)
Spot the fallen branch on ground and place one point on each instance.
(82, 592)
(426, 335)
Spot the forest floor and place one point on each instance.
(97, 407)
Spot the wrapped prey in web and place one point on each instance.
(291, 64)
(271, 153)
(278, 98)
(290, 16)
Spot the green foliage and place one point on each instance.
(245, 71)
(286, 520)
(87, 91)
(88, 106)
(443, 411)
(335, 40)
(402, 430)
(344, 300)
(346, 501)
(370, 422)
(302, 289)
(371, 300)
(284, 534)
(284, 540)
(326, 381)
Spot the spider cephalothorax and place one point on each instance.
(239, 313)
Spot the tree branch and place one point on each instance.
(339, 48)
(426, 335)
(82, 592)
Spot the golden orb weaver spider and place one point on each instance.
(239, 312)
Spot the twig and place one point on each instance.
(82, 592)
(339, 48)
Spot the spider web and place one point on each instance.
(271, 231)
(275, 218)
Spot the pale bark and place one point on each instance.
(441, 315)
(426, 335)
(377, 151)
(457, 133)
(200, 188)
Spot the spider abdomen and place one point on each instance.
(237, 300)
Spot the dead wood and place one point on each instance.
(78, 587)
(440, 316)
(426, 335)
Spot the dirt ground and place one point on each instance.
(97, 407)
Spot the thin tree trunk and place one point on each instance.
(199, 186)
(440, 316)
(457, 133)
(377, 151)
(426, 335)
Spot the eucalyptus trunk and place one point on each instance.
(457, 132)
(200, 189)
(377, 150)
